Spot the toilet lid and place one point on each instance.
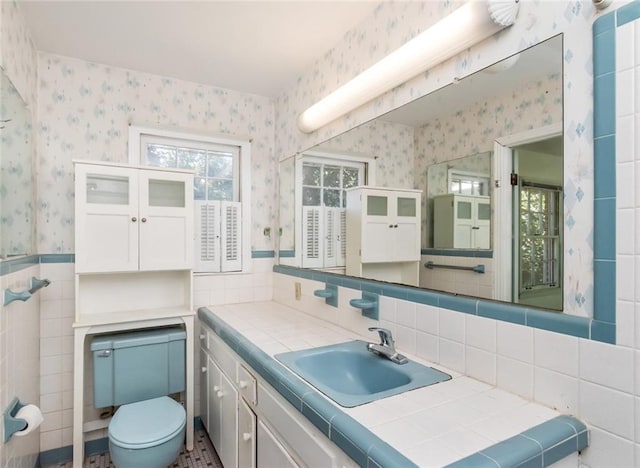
(146, 423)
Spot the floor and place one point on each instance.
(202, 456)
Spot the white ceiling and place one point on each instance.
(257, 47)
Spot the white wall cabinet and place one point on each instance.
(132, 218)
(383, 234)
(461, 222)
(263, 430)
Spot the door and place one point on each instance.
(377, 227)
(166, 229)
(227, 398)
(406, 229)
(246, 436)
(537, 231)
(204, 390)
(106, 219)
(214, 410)
(271, 453)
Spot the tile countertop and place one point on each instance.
(461, 421)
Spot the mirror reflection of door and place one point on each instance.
(537, 224)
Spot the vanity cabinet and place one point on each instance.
(383, 234)
(131, 218)
(263, 429)
(461, 222)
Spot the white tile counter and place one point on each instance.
(432, 426)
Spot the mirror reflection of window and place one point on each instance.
(325, 184)
(324, 201)
(468, 183)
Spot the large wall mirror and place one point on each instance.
(15, 173)
(443, 145)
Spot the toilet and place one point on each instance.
(137, 371)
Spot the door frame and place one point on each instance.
(503, 204)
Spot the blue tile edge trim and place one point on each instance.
(554, 321)
(352, 438)
(602, 328)
(547, 443)
(263, 254)
(458, 253)
(92, 447)
(17, 264)
(628, 13)
(287, 253)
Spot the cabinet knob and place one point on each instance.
(246, 436)
(243, 384)
(134, 219)
(220, 394)
(202, 336)
(144, 220)
(216, 388)
(203, 369)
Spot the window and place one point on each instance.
(221, 191)
(324, 180)
(468, 183)
(539, 236)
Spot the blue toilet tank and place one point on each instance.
(136, 366)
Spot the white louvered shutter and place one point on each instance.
(334, 237)
(207, 231)
(342, 238)
(311, 237)
(218, 241)
(231, 236)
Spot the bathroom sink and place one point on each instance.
(351, 376)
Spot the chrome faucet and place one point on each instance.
(387, 347)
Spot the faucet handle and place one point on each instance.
(386, 338)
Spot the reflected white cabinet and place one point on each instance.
(461, 222)
(383, 234)
(131, 218)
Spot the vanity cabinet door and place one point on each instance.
(214, 410)
(204, 390)
(223, 415)
(271, 453)
(246, 436)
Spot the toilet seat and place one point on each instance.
(147, 423)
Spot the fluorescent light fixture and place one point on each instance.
(471, 23)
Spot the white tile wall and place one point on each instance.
(19, 364)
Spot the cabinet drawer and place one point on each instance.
(247, 385)
(305, 440)
(223, 356)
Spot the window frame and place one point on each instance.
(324, 157)
(136, 134)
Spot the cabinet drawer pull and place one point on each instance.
(203, 369)
(246, 436)
(134, 219)
(144, 220)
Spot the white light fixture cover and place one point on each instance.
(471, 23)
